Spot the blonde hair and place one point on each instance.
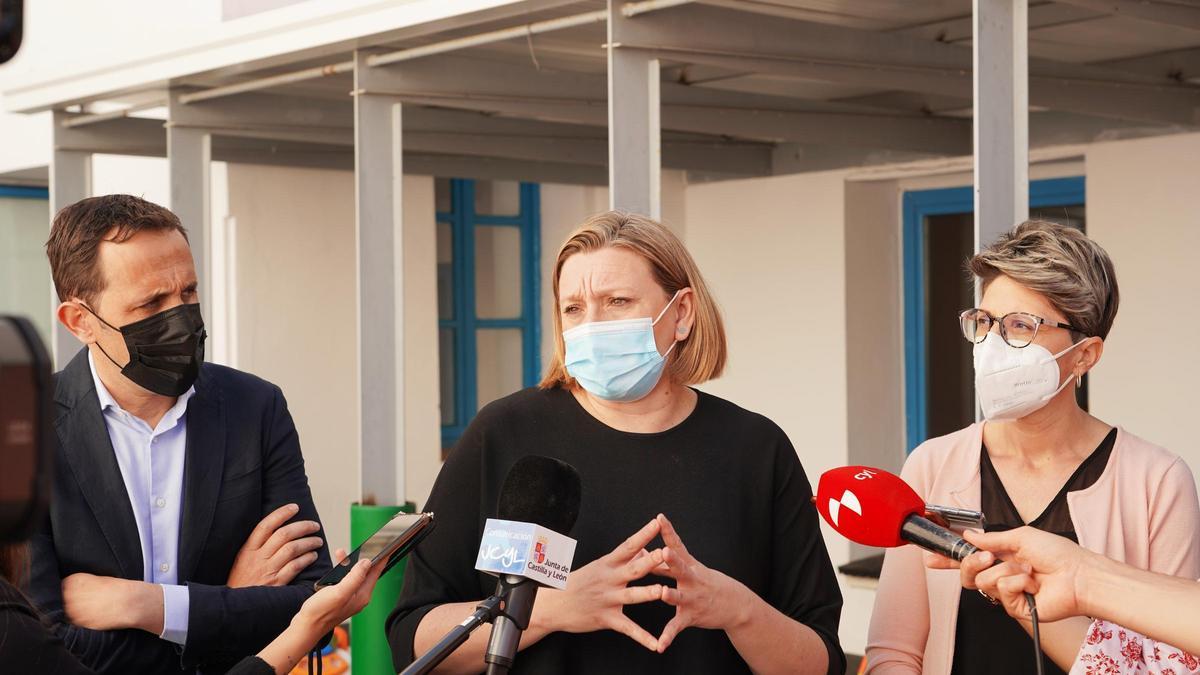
(699, 357)
(1060, 262)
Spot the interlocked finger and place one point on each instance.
(672, 596)
(636, 595)
(674, 565)
(671, 537)
(636, 543)
(640, 566)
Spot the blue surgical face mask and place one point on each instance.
(616, 360)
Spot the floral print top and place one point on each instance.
(1113, 650)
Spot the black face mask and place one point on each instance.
(165, 350)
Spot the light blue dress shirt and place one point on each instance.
(151, 462)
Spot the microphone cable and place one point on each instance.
(1038, 660)
(314, 656)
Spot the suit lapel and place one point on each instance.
(204, 464)
(89, 453)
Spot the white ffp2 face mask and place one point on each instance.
(1013, 382)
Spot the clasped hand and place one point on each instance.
(597, 593)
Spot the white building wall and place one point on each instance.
(144, 177)
(25, 140)
(296, 316)
(1144, 208)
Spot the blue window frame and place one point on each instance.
(23, 192)
(918, 206)
(459, 321)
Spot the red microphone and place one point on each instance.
(875, 508)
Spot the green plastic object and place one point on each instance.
(369, 651)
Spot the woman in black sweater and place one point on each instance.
(28, 646)
(698, 546)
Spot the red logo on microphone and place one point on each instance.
(539, 551)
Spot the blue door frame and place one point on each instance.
(462, 220)
(918, 205)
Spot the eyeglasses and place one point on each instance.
(1017, 329)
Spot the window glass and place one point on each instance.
(497, 272)
(497, 198)
(498, 364)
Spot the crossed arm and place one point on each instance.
(113, 624)
(274, 554)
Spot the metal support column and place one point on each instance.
(378, 178)
(1001, 117)
(189, 162)
(70, 181)
(634, 148)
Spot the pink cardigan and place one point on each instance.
(1142, 511)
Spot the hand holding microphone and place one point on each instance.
(1038, 563)
(875, 508)
(1069, 580)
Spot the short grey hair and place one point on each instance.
(1060, 262)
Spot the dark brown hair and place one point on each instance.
(1060, 262)
(14, 563)
(78, 229)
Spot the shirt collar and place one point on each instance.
(107, 402)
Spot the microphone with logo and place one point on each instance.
(525, 548)
(875, 508)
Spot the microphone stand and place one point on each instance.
(485, 612)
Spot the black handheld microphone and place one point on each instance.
(542, 491)
(527, 546)
(933, 537)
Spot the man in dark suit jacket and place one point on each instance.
(165, 465)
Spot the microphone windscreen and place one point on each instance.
(867, 506)
(543, 491)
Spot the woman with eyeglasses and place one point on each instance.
(1037, 458)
